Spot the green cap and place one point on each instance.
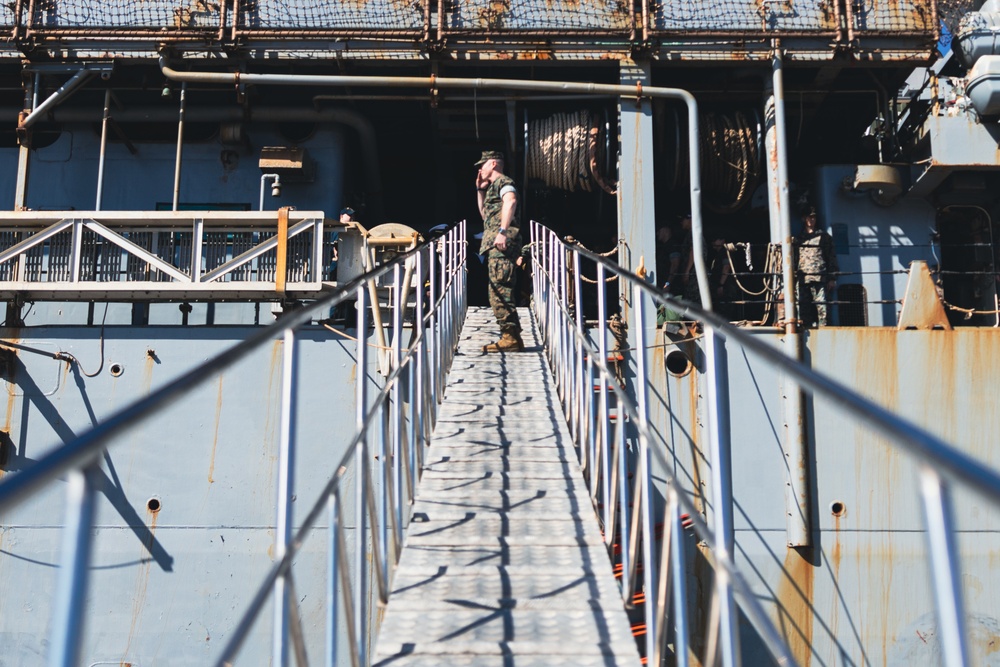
(489, 155)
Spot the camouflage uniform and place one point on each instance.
(817, 264)
(500, 264)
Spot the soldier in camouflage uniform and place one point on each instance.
(501, 244)
(817, 269)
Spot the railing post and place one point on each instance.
(578, 365)
(71, 590)
(76, 250)
(286, 486)
(361, 590)
(197, 246)
(395, 409)
(944, 567)
(717, 377)
(332, 580)
(644, 477)
(604, 426)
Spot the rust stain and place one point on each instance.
(147, 375)
(215, 436)
(876, 369)
(11, 397)
(141, 584)
(795, 606)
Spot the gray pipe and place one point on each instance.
(180, 146)
(434, 82)
(55, 98)
(797, 512)
(104, 149)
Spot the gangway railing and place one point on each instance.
(578, 360)
(382, 425)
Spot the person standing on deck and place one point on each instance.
(817, 269)
(497, 198)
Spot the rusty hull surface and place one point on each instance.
(862, 595)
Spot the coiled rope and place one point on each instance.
(731, 167)
(564, 150)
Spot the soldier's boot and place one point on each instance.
(510, 341)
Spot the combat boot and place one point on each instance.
(510, 341)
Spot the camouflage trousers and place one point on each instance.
(812, 304)
(502, 280)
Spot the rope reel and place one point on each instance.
(731, 152)
(564, 151)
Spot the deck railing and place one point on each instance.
(579, 359)
(382, 426)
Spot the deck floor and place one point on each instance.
(503, 562)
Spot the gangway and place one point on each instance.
(503, 505)
(504, 556)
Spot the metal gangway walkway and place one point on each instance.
(485, 526)
(504, 558)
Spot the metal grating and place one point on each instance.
(327, 15)
(530, 15)
(127, 14)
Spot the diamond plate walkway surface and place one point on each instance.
(503, 563)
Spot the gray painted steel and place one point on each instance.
(504, 557)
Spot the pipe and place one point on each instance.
(432, 82)
(55, 98)
(24, 149)
(276, 188)
(798, 531)
(104, 149)
(180, 146)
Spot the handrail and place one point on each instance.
(424, 363)
(574, 357)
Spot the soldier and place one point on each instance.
(817, 269)
(501, 244)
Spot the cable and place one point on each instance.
(69, 358)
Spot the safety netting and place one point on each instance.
(126, 14)
(332, 14)
(952, 11)
(892, 16)
(744, 16)
(547, 15)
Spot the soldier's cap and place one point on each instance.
(809, 211)
(347, 210)
(487, 156)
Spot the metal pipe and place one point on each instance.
(798, 529)
(75, 81)
(446, 83)
(781, 164)
(286, 488)
(104, 149)
(24, 149)
(69, 610)
(180, 146)
(263, 186)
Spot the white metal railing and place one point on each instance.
(161, 253)
(397, 435)
(628, 514)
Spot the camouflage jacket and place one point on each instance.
(492, 207)
(817, 261)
